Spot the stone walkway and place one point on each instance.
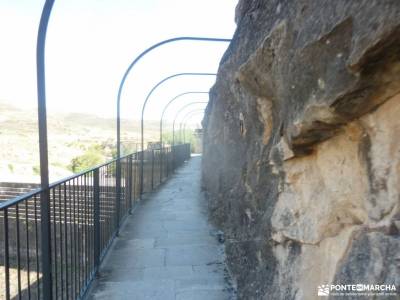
(167, 249)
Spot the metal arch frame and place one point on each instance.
(144, 107)
(177, 114)
(43, 138)
(121, 86)
(182, 125)
(162, 117)
(43, 151)
(156, 86)
(168, 104)
(139, 57)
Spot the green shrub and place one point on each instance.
(92, 157)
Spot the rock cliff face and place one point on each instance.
(302, 146)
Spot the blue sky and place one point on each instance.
(91, 42)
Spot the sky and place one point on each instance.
(91, 43)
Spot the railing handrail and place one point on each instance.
(6, 204)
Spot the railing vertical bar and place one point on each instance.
(61, 241)
(141, 173)
(126, 187)
(37, 249)
(66, 239)
(71, 235)
(96, 219)
(118, 195)
(130, 179)
(87, 226)
(18, 252)
(161, 166)
(122, 194)
(55, 243)
(116, 212)
(102, 199)
(152, 169)
(92, 220)
(162, 157)
(85, 260)
(79, 202)
(106, 208)
(89, 222)
(27, 249)
(6, 255)
(134, 178)
(73, 242)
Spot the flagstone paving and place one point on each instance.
(167, 249)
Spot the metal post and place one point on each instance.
(118, 190)
(130, 185)
(118, 180)
(6, 255)
(161, 163)
(96, 218)
(44, 165)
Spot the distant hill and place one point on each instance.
(70, 134)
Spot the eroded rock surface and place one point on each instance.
(302, 148)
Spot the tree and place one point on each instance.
(92, 157)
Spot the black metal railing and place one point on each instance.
(84, 219)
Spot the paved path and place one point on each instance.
(167, 249)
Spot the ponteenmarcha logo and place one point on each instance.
(357, 289)
(323, 290)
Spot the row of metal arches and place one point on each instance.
(42, 121)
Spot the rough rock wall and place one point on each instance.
(301, 156)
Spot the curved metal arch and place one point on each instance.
(184, 121)
(168, 104)
(121, 85)
(162, 117)
(155, 87)
(43, 151)
(137, 59)
(144, 106)
(177, 114)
